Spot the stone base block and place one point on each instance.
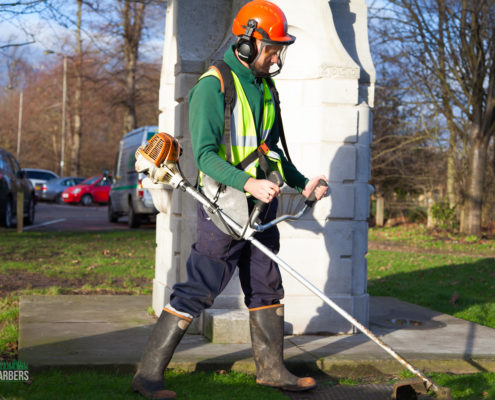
(226, 326)
(310, 315)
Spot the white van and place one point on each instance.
(127, 196)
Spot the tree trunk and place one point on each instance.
(478, 163)
(451, 170)
(430, 220)
(132, 24)
(75, 149)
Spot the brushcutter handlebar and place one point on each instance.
(311, 200)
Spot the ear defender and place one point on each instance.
(246, 44)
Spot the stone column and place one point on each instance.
(326, 89)
(193, 36)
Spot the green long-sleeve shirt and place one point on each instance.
(206, 124)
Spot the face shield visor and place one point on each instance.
(270, 59)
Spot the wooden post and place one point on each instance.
(380, 210)
(20, 211)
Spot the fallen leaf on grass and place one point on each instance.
(75, 261)
(454, 298)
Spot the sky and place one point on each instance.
(47, 34)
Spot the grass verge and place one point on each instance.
(86, 385)
(52, 263)
(122, 262)
(103, 386)
(457, 285)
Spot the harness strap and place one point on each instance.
(228, 89)
(260, 153)
(278, 114)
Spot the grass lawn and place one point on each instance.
(101, 386)
(448, 273)
(459, 285)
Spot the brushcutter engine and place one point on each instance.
(159, 159)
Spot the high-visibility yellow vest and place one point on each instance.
(243, 130)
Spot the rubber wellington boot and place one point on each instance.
(165, 337)
(267, 338)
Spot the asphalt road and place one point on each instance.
(65, 217)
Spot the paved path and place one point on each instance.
(69, 217)
(110, 332)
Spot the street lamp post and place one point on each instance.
(64, 97)
(19, 128)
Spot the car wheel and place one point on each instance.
(59, 199)
(134, 219)
(112, 215)
(29, 219)
(86, 200)
(6, 214)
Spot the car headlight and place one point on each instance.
(77, 191)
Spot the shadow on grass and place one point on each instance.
(465, 290)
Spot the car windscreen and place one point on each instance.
(40, 175)
(90, 181)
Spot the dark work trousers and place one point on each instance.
(213, 260)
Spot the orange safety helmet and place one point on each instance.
(271, 22)
(265, 21)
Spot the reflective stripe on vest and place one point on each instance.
(243, 129)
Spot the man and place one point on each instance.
(258, 55)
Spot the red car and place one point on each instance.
(92, 190)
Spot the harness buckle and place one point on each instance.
(263, 148)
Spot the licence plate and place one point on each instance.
(65, 195)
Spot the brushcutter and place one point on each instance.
(159, 159)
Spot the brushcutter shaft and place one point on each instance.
(343, 313)
(185, 186)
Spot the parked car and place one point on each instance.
(95, 189)
(52, 190)
(128, 197)
(38, 177)
(12, 180)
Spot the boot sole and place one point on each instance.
(153, 395)
(288, 388)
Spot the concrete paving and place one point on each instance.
(110, 331)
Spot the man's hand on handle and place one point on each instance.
(265, 190)
(262, 189)
(311, 185)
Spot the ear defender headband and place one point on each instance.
(246, 44)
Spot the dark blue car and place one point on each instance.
(12, 181)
